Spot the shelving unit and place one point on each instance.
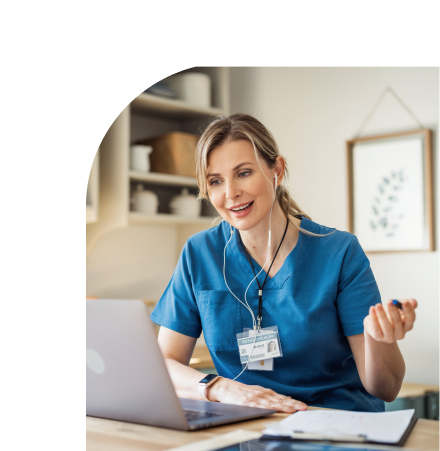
(152, 115)
(149, 115)
(162, 179)
(164, 218)
(166, 186)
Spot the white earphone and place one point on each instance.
(245, 303)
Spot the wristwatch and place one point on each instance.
(206, 382)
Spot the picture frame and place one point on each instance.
(390, 191)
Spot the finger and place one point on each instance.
(265, 398)
(268, 391)
(286, 403)
(374, 328)
(295, 404)
(270, 403)
(385, 325)
(289, 405)
(414, 303)
(387, 309)
(396, 320)
(410, 314)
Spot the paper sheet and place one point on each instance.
(386, 427)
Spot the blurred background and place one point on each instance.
(141, 204)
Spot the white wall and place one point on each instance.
(135, 262)
(124, 263)
(312, 112)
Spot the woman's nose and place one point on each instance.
(232, 191)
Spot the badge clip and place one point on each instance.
(259, 319)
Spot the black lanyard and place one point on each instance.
(260, 291)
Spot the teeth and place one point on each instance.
(241, 208)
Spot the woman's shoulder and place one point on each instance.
(328, 236)
(333, 246)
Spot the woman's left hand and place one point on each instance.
(387, 323)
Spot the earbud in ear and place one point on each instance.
(276, 181)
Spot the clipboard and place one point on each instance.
(301, 436)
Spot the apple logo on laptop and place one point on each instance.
(94, 361)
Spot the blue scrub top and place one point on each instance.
(321, 294)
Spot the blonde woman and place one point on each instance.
(338, 341)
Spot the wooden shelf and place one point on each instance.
(170, 108)
(162, 179)
(163, 218)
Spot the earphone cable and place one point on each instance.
(245, 293)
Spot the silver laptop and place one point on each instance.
(127, 378)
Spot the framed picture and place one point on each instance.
(390, 191)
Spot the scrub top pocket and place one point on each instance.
(220, 316)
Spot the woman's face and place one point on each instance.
(237, 188)
(272, 347)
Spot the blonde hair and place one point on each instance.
(243, 126)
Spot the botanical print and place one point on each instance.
(387, 204)
(388, 194)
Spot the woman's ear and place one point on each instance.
(280, 167)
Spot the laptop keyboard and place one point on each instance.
(192, 415)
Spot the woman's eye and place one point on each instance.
(244, 173)
(214, 182)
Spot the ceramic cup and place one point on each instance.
(185, 204)
(139, 158)
(145, 201)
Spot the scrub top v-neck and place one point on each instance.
(319, 296)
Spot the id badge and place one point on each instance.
(260, 365)
(257, 346)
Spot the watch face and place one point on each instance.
(208, 378)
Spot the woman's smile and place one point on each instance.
(241, 210)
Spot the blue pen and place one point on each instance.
(397, 304)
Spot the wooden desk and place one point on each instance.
(111, 435)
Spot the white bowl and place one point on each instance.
(145, 201)
(192, 87)
(185, 204)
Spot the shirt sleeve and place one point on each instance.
(177, 308)
(357, 289)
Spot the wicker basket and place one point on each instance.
(173, 153)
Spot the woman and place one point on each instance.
(271, 347)
(338, 341)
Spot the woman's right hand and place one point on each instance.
(232, 392)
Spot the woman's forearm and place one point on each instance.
(384, 368)
(184, 378)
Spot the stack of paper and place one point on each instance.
(381, 427)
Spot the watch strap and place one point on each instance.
(202, 388)
(202, 394)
